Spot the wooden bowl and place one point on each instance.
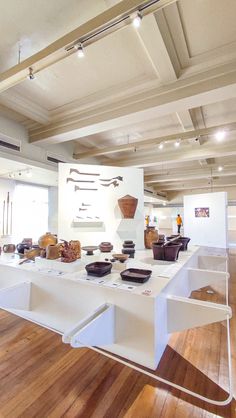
(120, 257)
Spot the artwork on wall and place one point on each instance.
(202, 212)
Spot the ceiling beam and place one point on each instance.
(24, 106)
(193, 175)
(156, 51)
(207, 183)
(160, 158)
(211, 86)
(149, 143)
(57, 50)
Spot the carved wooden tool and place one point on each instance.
(113, 178)
(79, 181)
(82, 188)
(11, 221)
(3, 218)
(115, 184)
(74, 170)
(7, 217)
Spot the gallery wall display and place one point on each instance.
(101, 204)
(205, 219)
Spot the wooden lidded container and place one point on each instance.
(128, 205)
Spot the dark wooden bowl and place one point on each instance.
(98, 268)
(136, 275)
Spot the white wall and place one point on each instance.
(104, 203)
(212, 231)
(53, 210)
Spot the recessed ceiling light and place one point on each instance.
(161, 146)
(177, 144)
(220, 168)
(136, 20)
(220, 135)
(164, 203)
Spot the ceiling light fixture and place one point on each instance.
(220, 168)
(161, 146)
(80, 50)
(31, 75)
(220, 135)
(177, 144)
(136, 19)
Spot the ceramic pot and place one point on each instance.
(52, 252)
(129, 245)
(76, 246)
(128, 205)
(180, 240)
(22, 247)
(47, 239)
(105, 247)
(158, 251)
(150, 236)
(129, 251)
(28, 241)
(9, 248)
(171, 252)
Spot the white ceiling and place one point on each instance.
(177, 72)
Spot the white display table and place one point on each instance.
(130, 320)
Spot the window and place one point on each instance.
(30, 212)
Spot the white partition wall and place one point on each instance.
(205, 219)
(93, 216)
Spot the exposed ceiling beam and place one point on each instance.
(203, 88)
(160, 158)
(57, 50)
(25, 107)
(149, 143)
(193, 175)
(208, 183)
(156, 51)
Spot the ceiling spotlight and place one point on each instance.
(220, 135)
(31, 75)
(136, 19)
(220, 168)
(161, 146)
(163, 203)
(80, 50)
(177, 144)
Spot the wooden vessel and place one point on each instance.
(150, 236)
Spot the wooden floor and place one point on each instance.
(42, 377)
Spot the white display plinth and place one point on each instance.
(128, 319)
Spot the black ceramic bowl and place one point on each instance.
(98, 268)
